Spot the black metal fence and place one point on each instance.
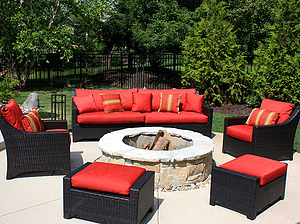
(118, 70)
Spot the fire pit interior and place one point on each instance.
(185, 158)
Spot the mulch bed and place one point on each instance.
(236, 110)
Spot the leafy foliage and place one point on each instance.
(277, 65)
(212, 62)
(6, 92)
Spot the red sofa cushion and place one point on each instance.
(107, 177)
(283, 108)
(141, 102)
(156, 94)
(264, 168)
(169, 102)
(241, 132)
(169, 118)
(32, 121)
(85, 104)
(262, 117)
(100, 117)
(125, 95)
(13, 114)
(112, 103)
(194, 102)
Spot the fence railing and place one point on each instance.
(118, 70)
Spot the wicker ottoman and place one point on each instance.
(108, 199)
(248, 184)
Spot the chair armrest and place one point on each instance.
(55, 124)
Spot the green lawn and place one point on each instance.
(45, 110)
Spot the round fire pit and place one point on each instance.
(188, 163)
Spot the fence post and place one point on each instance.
(121, 70)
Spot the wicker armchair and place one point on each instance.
(274, 141)
(38, 152)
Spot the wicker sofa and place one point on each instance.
(140, 109)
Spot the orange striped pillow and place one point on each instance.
(32, 121)
(262, 117)
(112, 102)
(169, 102)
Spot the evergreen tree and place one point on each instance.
(212, 62)
(277, 65)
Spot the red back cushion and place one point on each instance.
(85, 103)
(169, 103)
(156, 93)
(107, 177)
(112, 103)
(194, 102)
(141, 102)
(125, 95)
(262, 117)
(13, 114)
(264, 168)
(284, 109)
(32, 121)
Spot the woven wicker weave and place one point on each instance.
(96, 131)
(272, 141)
(242, 193)
(105, 207)
(31, 152)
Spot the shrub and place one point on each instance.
(6, 89)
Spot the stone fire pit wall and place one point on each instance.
(179, 167)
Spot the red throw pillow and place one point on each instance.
(169, 103)
(85, 103)
(194, 102)
(284, 109)
(141, 102)
(262, 117)
(107, 177)
(32, 121)
(112, 102)
(13, 114)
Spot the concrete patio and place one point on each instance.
(36, 200)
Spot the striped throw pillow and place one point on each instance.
(112, 102)
(169, 103)
(32, 121)
(262, 117)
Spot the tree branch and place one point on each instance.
(52, 19)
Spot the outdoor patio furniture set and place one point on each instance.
(246, 184)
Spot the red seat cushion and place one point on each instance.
(107, 177)
(110, 118)
(168, 117)
(283, 108)
(13, 114)
(264, 168)
(156, 95)
(241, 132)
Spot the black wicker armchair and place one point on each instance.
(36, 152)
(274, 141)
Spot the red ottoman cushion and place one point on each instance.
(264, 168)
(107, 177)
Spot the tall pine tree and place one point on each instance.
(212, 62)
(277, 65)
